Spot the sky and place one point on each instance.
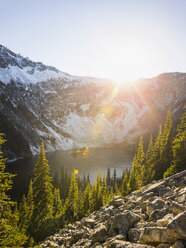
(116, 39)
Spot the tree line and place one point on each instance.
(52, 203)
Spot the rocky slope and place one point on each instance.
(39, 102)
(154, 216)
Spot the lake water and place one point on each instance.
(84, 162)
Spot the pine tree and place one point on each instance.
(57, 208)
(30, 206)
(93, 198)
(124, 188)
(165, 148)
(104, 190)
(132, 183)
(155, 158)
(10, 236)
(108, 178)
(71, 203)
(139, 163)
(42, 192)
(114, 179)
(98, 191)
(146, 168)
(178, 149)
(23, 215)
(86, 201)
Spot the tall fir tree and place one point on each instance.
(178, 149)
(104, 193)
(108, 178)
(71, 203)
(165, 148)
(124, 188)
(98, 191)
(132, 183)
(10, 236)
(57, 208)
(114, 178)
(155, 158)
(139, 163)
(42, 192)
(146, 168)
(93, 198)
(86, 205)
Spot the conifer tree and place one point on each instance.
(155, 158)
(93, 198)
(42, 192)
(23, 224)
(139, 162)
(165, 148)
(178, 149)
(108, 178)
(114, 179)
(10, 236)
(124, 188)
(57, 208)
(146, 168)
(30, 204)
(132, 183)
(71, 203)
(86, 205)
(98, 191)
(104, 190)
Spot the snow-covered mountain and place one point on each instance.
(39, 102)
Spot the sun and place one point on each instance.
(126, 61)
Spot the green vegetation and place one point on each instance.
(50, 204)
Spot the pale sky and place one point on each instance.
(116, 39)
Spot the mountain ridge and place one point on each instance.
(68, 112)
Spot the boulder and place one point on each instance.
(88, 222)
(100, 234)
(177, 208)
(156, 235)
(158, 214)
(178, 226)
(118, 201)
(155, 205)
(75, 236)
(124, 221)
(125, 244)
(165, 220)
(179, 244)
(134, 234)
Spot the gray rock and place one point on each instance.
(134, 234)
(155, 205)
(165, 220)
(156, 235)
(124, 221)
(177, 208)
(158, 214)
(100, 234)
(124, 244)
(179, 244)
(178, 226)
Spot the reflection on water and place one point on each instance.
(89, 160)
(85, 161)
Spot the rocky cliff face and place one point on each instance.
(39, 102)
(154, 216)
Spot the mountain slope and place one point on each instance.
(39, 102)
(154, 216)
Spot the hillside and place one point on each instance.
(39, 102)
(154, 216)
